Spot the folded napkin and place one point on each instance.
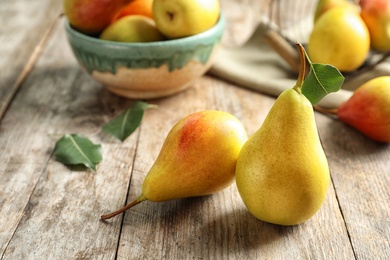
(257, 66)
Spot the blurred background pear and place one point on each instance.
(340, 38)
(376, 15)
(91, 16)
(132, 28)
(326, 5)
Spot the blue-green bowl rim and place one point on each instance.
(219, 26)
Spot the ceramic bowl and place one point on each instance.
(146, 70)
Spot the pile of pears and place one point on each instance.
(281, 171)
(141, 20)
(343, 35)
(344, 32)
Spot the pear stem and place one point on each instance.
(302, 71)
(121, 210)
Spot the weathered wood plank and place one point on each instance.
(22, 34)
(47, 210)
(360, 171)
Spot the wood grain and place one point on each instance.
(25, 29)
(47, 205)
(360, 172)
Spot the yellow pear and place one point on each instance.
(132, 28)
(197, 158)
(376, 15)
(181, 18)
(325, 5)
(340, 38)
(282, 172)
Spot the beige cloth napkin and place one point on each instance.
(255, 65)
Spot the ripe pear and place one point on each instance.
(141, 7)
(182, 18)
(376, 15)
(325, 5)
(368, 109)
(282, 172)
(132, 28)
(92, 16)
(197, 158)
(340, 38)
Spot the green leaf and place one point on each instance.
(126, 123)
(321, 80)
(73, 149)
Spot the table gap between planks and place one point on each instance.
(49, 211)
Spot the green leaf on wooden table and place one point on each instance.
(126, 123)
(321, 80)
(73, 149)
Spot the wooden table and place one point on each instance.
(49, 211)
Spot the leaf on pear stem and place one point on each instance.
(74, 149)
(321, 80)
(126, 123)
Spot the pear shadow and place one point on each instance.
(239, 233)
(172, 213)
(339, 139)
(194, 225)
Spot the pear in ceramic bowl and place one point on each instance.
(144, 70)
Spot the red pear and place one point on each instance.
(376, 15)
(368, 109)
(136, 7)
(92, 16)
